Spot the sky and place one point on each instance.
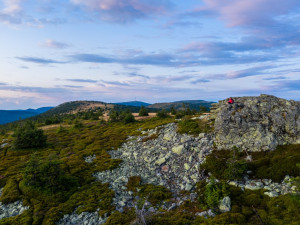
(55, 51)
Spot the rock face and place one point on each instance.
(256, 123)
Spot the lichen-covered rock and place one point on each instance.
(225, 204)
(158, 161)
(12, 209)
(256, 123)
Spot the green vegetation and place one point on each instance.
(276, 164)
(193, 127)
(28, 136)
(214, 192)
(48, 175)
(123, 116)
(143, 111)
(55, 180)
(162, 114)
(153, 194)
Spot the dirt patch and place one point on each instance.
(137, 117)
(53, 126)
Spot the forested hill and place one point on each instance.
(180, 105)
(7, 116)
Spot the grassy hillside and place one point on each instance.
(56, 180)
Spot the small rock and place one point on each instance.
(225, 204)
(178, 149)
(165, 168)
(186, 166)
(271, 194)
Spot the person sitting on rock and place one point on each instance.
(230, 101)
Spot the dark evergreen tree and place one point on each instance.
(28, 136)
(143, 111)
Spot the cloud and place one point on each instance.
(12, 7)
(115, 83)
(275, 78)
(134, 74)
(287, 85)
(73, 86)
(125, 10)
(54, 44)
(200, 81)
(141, 59)
(38, 60)
(11, 13)
(82, 80)
(249, 13)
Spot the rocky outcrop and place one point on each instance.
(172, 160)
(12, 209)
(84, 218)
(256, 123)
(273, 189)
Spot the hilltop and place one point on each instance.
(235, 165)
(73, 107)
(180, 105)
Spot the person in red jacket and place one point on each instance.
(230, 101)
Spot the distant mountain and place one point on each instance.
(7, 116)
(179, 105)
(133, 103)
(76, 106)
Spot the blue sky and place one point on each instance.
(53, 51)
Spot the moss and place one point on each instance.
(154, 194)
(193, 127)
(133, 183)
(277, 164)
(88, 199)
(10, 192)
(151, 137)
(118, 218)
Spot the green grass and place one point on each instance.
(69, 146)
(193, 127)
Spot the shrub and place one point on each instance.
(28, 136)
(173, 110)
(143, 111)
(77, 124)
(214, 192)
(47, 175)
(128, 118)
(162, 114)
(193, 127)
(276, 164)
(233, 168)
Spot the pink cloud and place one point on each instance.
(249, 12)
(125, 10)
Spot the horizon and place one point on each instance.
(159, 51)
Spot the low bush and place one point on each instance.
(48, 175)
(143, 111)
(28, 136)
(162, 114)
(193, 127)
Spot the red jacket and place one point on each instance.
(230, 101)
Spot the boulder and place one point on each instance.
(256, 123)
